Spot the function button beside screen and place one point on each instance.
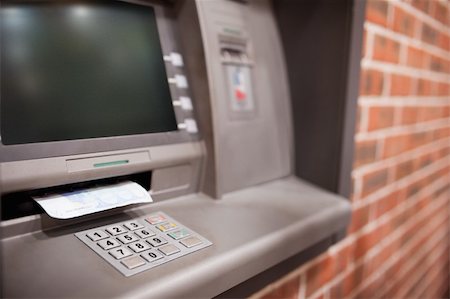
(152, 256)
(144, 233)
(120, 253)
(191, 242)
(155, 219)
(133, 225)
(127, 238)
(108, 244)
(168, 226)
(179, 234)
(97, 235)
(186, 103)
(139, 246)
(169, 249)
(156, 241)
(133, 262)
(116, 230)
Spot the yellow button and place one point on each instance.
(167, 226)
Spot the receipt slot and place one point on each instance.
(237, 65)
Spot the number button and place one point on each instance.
(157, 241)
(144, 233)
(127, 238)
(133, 225)
(139, 246)
(120, 253)
(152, 256)
(97, 235)
(108, 244)
(116, 230)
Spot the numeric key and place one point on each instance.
(157, 241)
(144, 233)
(108, 244)
(127, 238)
(120, 253)
(139, 246)
(133, 225)
(116, 230)
(152, 256)
(97, 235)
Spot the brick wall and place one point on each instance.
(398, 241)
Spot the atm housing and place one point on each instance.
(232, 180)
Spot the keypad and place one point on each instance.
(140, 244)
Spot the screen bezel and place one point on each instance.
(38, 150)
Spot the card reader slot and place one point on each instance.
(21, 204)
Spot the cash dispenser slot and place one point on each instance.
(19, 204)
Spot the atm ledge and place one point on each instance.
(251, 231)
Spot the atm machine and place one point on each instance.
(184, 102)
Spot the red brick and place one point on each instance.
(374, 181)
(287, 290)
(444, 41)
(441, 133)
(419, 139)
(441, 12)
(380, 117)
(365, 152)
(360, 218)
(404, 22)
(377, 11)
(401, 85)
(430, 35)
(395, 145)
(438, 64)
(443, 89)
(430, 113)
(423, 5)
(372, 290)
(366, 242)
(416, 57)
(385, 49)
(410, 115)
(350, 282)
(371, 82)
(378, 261)
(320, 274)
(386, 203)
(424, 87)
(344, 257)
(425, 160)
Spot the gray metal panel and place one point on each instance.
(317, 37)
(41, 173)
(350, 112)
(251, 231)
(258, 148)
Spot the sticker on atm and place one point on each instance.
(239, 84)
(240, 88)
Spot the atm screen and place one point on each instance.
(81, 70)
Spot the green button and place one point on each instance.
(176, 235)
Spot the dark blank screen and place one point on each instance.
(74, 71)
